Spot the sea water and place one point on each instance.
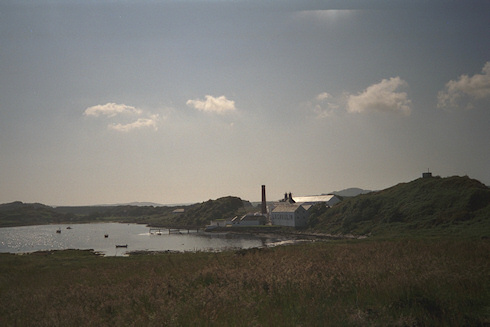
(137, 238)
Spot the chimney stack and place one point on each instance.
(264, 203)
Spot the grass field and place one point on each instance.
(432, 282)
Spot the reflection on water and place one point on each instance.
(136, 237)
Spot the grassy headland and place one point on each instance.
(423, 207)
(436, 282)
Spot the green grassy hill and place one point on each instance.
(222, 208)
(452, 205)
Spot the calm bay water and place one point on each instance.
(137, 237)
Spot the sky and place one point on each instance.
(105, 102)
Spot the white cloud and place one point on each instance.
(323, 96)
(218, 105)
(324, 105)
(113, 111)
(110, 110)
(140, 123)
(475, 87)
(382, 97)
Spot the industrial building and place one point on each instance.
(289, 211)
(290, 214)
(293, 211)
(328, 199)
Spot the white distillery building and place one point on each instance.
(293, 211)
(289, 214)
(328, 199)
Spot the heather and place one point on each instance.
(405, 282)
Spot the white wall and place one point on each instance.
(283, 218)
(298, 218)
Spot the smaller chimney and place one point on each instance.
(264, 202)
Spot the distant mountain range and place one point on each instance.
(136, 204)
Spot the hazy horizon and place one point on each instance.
(184, 101)
(258, 200)
(143, 203)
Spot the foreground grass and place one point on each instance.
(388, 283)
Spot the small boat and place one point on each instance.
(121, 246)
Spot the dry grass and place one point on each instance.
(381, 283)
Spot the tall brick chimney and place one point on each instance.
(264, 203)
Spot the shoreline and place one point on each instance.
(280, 231)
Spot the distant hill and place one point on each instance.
(196, 215)
(135, 204)
(349, 192)
(452, 205)
(21, 205)
(19, 213)
(143, 204)
(107, 208)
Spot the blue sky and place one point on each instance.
(185, 101)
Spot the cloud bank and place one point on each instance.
(382, 97)
(472, 88)
(219, 105)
